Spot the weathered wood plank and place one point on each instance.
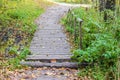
(51, 39)
(50, 53)
(57, 65)
(48, 57)
(49, 32)
(50, 50)
(50, 35)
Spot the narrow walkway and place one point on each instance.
(50, 47)
(50, 38)
(70, 5)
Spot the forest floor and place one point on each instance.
(45, 73)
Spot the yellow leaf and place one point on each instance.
(33, 76)
(22, 79)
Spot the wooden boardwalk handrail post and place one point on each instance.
(75, 31)
(73, 24)
(72, 17)
(68, 17)
(80, 32)
(80, 35)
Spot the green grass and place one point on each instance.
(26, 12)
(17, 22)
(20, 17)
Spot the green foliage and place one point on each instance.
(101, 51)
(101, 44)
(95, 73)
(16, 29)
(17, 22)
(26, 12)
(15, 62)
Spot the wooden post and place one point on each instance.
(68, 17)
(80, 33)
(75, 32)
(73, 23)
(70, 20)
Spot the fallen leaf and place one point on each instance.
(53, 60)
(33, 76)
(22, 79)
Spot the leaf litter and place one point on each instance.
(33, 73)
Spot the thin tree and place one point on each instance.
(105, 5)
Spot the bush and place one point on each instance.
(101, 45)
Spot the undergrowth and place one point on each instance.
(17, 28)
(101, 46)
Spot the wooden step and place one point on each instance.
(50, 50)
(60, 39)
(51, 26)
(56, 65)
(49, 43)
(49, 31)
(52, 54)
(48, 57)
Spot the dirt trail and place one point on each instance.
(70, 5)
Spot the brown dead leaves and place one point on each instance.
(33, 73)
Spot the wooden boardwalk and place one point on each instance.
(50, 46)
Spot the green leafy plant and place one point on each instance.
(15, 62)
(101, 47)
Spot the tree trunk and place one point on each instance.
(107, 5)
(110, 4)
(101, 5)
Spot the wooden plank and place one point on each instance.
(49, 31)
(51, 39)
(48, 57)
(53, 45)
(48, 52)
(43, 53)
(43, 48)
(50, 35)
(57, 65)
(50, 26)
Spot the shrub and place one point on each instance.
(101, 46)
